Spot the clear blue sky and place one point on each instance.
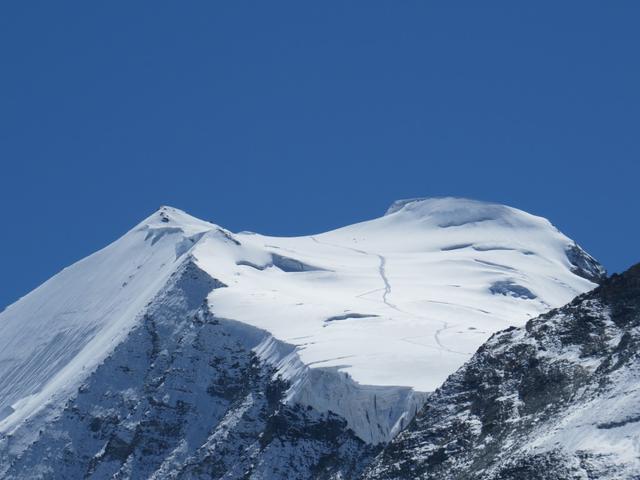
(296, 117)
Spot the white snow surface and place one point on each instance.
(402, 300)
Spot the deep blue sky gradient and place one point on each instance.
(296, 117)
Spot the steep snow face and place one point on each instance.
(400, 301)
(54, 336)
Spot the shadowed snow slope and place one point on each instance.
(415, 291)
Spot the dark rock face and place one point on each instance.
(557, 399)
(184, 396)
(585, 265)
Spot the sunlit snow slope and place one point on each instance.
(401, 300)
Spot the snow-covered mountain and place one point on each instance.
(558, 399)
(185, 350)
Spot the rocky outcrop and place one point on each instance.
(585, 265)
(557, 399)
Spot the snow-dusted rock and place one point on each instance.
(557, 399)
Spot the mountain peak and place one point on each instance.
(167, 217)
(360, 321)
(434, 201)
(445, 212)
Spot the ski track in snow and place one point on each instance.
(386, 291)
(436, 337)
(381, 271)
(368, 292)
(387, 285)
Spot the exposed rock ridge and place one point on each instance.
(557, 399)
